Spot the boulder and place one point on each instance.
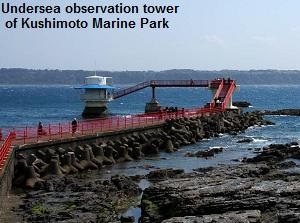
(32, 178)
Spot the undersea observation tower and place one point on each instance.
(97, 93)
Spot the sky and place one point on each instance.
(204, 35)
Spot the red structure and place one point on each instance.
(5, 149)
(161, 83)
(22, 135)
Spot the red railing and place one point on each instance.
(5, 148)
(217, 94)
(25, 135)
(161, 83)
(228, 94)
(179, 83)
(127, 91)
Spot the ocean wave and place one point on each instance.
(256, 139)
(260, 140)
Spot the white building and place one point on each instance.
(97, 93)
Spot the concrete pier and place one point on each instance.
(58, 158)
(153, 105)
(92, 112)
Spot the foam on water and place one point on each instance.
(260, 140)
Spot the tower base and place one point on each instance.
(152, 106)
(94, 112)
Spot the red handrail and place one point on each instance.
(56, 131)
(228, 95)
(129, 90)
(161, 83)
(217, 94)
(85, 127)
(5, 148)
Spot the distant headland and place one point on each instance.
(30, 76)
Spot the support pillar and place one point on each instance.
(94, 112)
(153, 105)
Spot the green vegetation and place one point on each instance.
(75, 77)
(150, 206)
(38, 209)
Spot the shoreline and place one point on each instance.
(178, 132)
(261, 189)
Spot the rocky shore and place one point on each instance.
(294, 112)
(57, 181)
(262, 189)
(32, 169)
(241, 104)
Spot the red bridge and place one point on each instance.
(223, 90)
(161, 83)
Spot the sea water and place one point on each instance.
(26, 105)
(29, 104)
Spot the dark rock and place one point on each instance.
(247, 216)
(241, 104)
(127, 219)
(126, 184)
(295, 112)
(163, 174)
(276, 153)
(286, 165)
(205, 153)
(247, 140)
(219, 190)
(150, 148)
(167, 146)
(32, 178)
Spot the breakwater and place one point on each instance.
(56, 170)
(34, 164)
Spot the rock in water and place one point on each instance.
(167, 146)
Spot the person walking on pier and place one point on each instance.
(74, 126)
(40, 129)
